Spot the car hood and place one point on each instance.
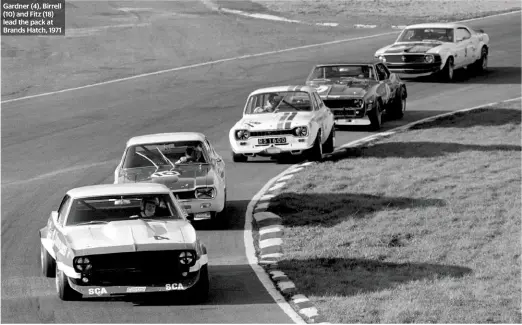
(353, 88)
(188, 176)
(413, 47)
(274, 121)
(130, 236)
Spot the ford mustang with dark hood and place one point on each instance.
(358, 93)
(119, 239)
(200, 183)
(281, 121)
(436, 48)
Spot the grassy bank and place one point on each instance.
(387, 12)
(421, 227)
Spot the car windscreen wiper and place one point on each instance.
(91, 222)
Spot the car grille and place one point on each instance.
(409, 58)
(184, 195)
(269, 133)
(341, 103)
(135, 268)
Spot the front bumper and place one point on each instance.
(252, 147)
(414, 68)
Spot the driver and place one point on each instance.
(148, 208)
(192, 155)
(270, 106)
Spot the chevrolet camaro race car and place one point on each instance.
(117, 239)
(440, 48)
(358, 93)
(283, 120)
(200, 184)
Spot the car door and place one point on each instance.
(464, 47)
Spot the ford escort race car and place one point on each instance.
(439, 48)
(116, 239)
(201, 182)
(358, 93)
(283, 120)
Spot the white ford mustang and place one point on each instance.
(283, 120)
(441, 48)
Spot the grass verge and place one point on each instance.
(421, 227)
(387, 12)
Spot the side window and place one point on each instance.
(62, 210)
(380, 72)
(462, 34)
(210, 149)
(386, 71)
(313, 100)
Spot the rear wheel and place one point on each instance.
(482, 64)
(239, 157)
(47, 263)
(64, 290)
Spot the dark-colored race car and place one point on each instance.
(358, 93)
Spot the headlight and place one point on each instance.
(205, 193)
(300, 131)
(242, 134)
(187, 258)
(82, 264)
(429, 58)
(382, 58)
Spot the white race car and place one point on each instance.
(200, 183)
(117, 239)
(426, 49)
(283, 120)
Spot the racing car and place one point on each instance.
(436, 48)
(201, 181)
(117, 239)
(283, 120)
(358, 93)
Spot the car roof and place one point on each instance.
(165, 137)
(436, 25)
(359, 62)
(117, 189)
(277, 89)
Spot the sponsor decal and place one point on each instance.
(282, 120)
(165, 173)
(174, 286)
(136, 289)
(98, 291)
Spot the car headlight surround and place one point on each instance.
(242, 134)
(187, 258)
(205, 193)
(300, 131)
(82, 264)
(429, 58)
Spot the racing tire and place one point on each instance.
(64, 290)
(316, 152)
(447, 73)
(329, 145)
(239, 157)
(199, 292)
(218, 218)
(481, 64)
(399, 105)
(47, 263)
(375, 116)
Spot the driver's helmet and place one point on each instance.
(273, 98)
(148, 200)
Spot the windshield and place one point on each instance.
(115, 208)
(165, 154)
(339, 72)
(426, 34)
(283, 101)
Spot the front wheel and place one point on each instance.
(199, 292)
(375, 116)
(316, 152)
(329, 145)
(64, 290)
(399, 105)
(47, 263)
(447, 72)
(239, 157)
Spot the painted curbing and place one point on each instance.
(270, 226)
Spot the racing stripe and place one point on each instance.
(282, 120)
(289, 120)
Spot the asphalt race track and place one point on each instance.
(57, 142)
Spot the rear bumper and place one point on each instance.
(352, 120)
